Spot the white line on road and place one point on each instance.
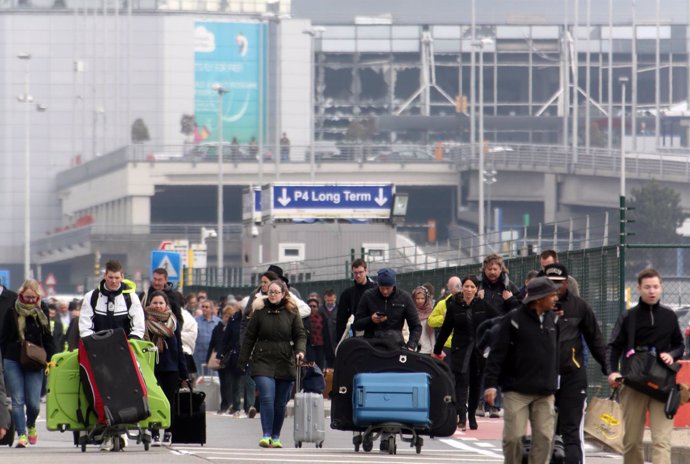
(463, 446)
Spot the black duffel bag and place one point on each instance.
(648, 374)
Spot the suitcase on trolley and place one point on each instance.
(189, 423)
(357, 355)
(310, 422)
(113, 383)
(391, 397)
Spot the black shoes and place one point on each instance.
(473, 423)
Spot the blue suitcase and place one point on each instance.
(391, 397)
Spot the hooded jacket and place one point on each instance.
(131, 319)
(272, 340)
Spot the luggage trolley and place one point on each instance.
(390, 404)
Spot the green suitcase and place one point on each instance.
(65, 395)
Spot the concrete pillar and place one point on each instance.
(550, 197)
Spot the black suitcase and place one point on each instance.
(189, 417)
(111, 378)
(358, 354)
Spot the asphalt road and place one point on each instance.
(236, 440)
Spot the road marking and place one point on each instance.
(463, 446)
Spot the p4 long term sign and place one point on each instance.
(327, 201)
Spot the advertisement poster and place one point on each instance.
(228, 54)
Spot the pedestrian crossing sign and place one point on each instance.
(171, 261)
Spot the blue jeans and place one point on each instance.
(249, 387)
(24, 387)
(273, 396)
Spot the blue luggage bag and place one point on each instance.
(391, 397)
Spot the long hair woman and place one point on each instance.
(27, 323)
(274, 340)
(465, 311)
(163, 328)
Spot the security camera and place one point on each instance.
(212, 234)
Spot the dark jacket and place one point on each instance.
(524, 356)
(172, 358)
(5, 420)
(272, 340)
(398, 307)
(493, 293)
(7, 299)
(347, 306)
(655, 326)
(175, 298)
(462, 320)
(578, 320)
(329, 332)
(9, 338)
(228, 349)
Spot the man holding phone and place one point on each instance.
(383, 310)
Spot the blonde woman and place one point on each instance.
(28, 322)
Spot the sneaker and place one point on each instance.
(265, 442)
(23, 441)
(107, 444)
(495, 413)
(33, 435)
(155, 440)
(251, 413)
(275, 443)
(240, 415)
(167, 439)
(123, 441)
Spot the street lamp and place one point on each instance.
(623, 81)
(479, 45)
(315, 32)
(221, 92)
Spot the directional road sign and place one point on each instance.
(171, 261)
(352, 201)
(5, 278)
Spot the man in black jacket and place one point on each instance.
(576, 320)
(495, 287)
(524, 362)
(349, 299)
(653, 326)
(7, 299)
(383, 310)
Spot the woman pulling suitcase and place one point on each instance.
(274, 338)
(464, 314)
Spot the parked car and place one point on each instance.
(403, 154)
(327, 150)
(230, 152)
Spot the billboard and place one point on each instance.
(228, 53)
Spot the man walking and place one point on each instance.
(524, 362)
(576, 320)
(649, 325)
(349, 299)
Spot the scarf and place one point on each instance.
(273, 308)
(425, 311)
(160, 324)
(25, 310)
(110, 295)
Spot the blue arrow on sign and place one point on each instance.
(331, 201)
(171, 261)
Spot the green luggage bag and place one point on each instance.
(65, 394)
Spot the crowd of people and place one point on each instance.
(519, 353)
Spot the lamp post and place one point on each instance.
(314, 33)
(479, 45)
(622, 209)
(221, 92)
(27, 100)
(489, 179)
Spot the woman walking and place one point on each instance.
(465, 312)
(423, 302)
(274, 338)
(163, 328)
(28, 323)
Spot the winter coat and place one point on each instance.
(347, 306)
(272, 340)
(462, 320)
(493, 293)
(524, 356)
(578, 321)
(398, 307)
(11, 346)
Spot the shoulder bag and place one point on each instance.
(32, 356)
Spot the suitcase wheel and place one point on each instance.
(298, 444)
(392, 447)
(319, 444)
(418, 443)
(367, 444)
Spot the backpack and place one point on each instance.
(96, 293)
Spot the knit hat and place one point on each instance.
(538, 288)
(386, 277)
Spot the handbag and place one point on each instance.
(644, 371)
(604, 421)
(32, 356)
(213, 362)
